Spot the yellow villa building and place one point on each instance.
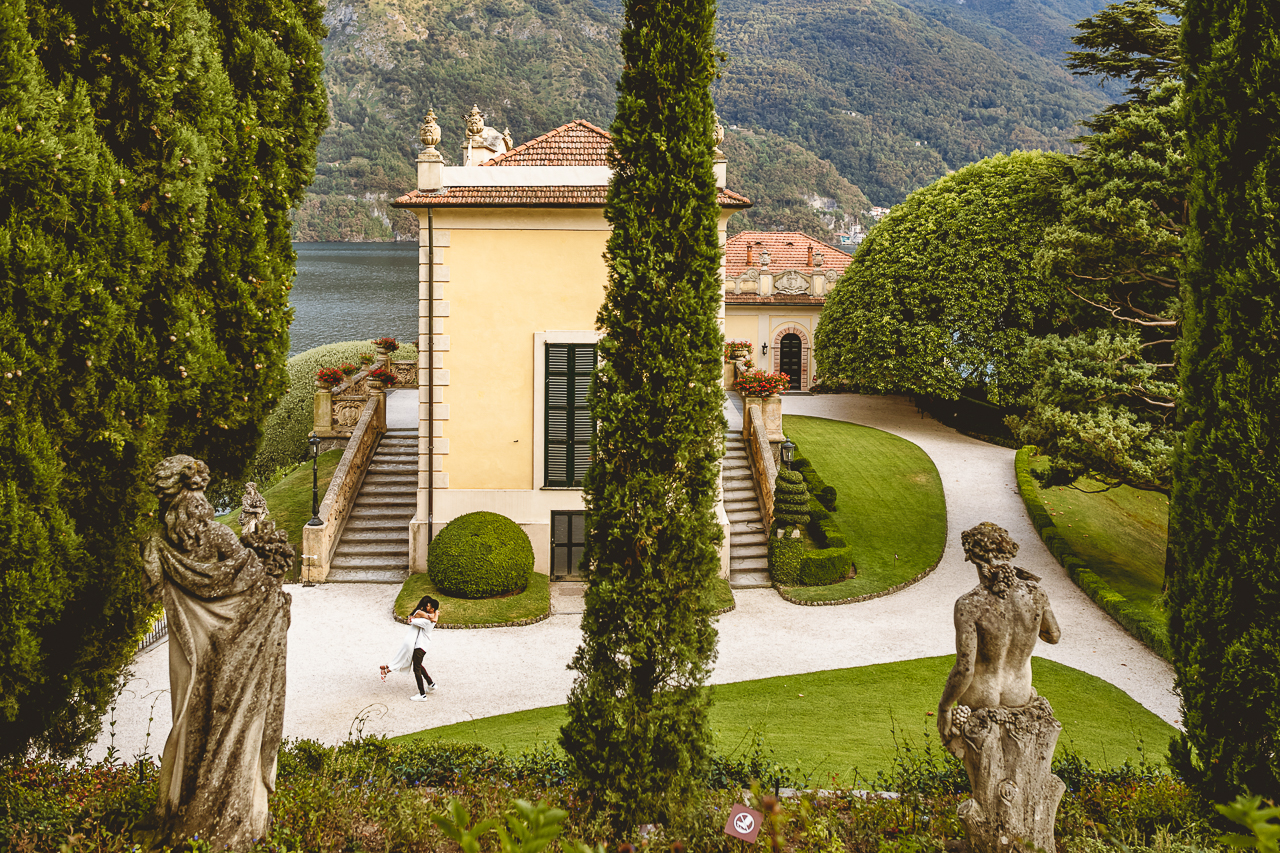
(775, 286)
(509, 308)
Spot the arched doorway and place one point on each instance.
(789, 358)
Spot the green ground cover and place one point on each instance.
(891, 507)
(721, 594)
(1119, 536)
(533, 602)
(289, 501)
(831, 723)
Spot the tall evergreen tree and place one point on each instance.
(637, 730)
(140, 325)
(1224, 578)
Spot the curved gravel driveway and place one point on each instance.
(342, 632)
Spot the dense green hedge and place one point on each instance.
(791, 500)
(791, 565)
(284, 437)
(818, 487)
(480, 555)
(1136, 622)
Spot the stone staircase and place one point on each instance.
(374, 545)
(748, 540)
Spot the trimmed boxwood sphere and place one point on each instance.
(480, 555)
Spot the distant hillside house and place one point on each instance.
(775, 285)
(519, 276)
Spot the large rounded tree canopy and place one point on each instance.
(942, 294)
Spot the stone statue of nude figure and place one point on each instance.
(989, 715)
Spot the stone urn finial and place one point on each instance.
(429, 133)
(764, 259)
(475, 124)
(817, 260)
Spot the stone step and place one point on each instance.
(399, 516)
(759, 564)
(748, 539)
(400, 482)
(383, 497)
(747, 528)
(382, 458)
(740, 552)
(409, 467)
(745, 517)
(749, 580)
(377, 521)
(389, 550)
(385, 533)
(738, 493)
(396, 576)
(398, 445)
(369, 561)
(741, 505)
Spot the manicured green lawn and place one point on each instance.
(890, 503)
(534, 601)
(721, 594)
(829, 723)
(289, 501)
(1121, 533)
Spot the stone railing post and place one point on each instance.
(322, 410)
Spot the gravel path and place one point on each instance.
(341, 632)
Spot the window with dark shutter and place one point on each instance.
(570, 428)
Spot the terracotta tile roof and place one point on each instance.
(530, 197)
(788, 250)
(578, 143)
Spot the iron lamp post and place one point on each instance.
(788, 452)
(313, 441)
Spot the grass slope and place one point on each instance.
(834, 722)
(1118, 535)
(890, 508)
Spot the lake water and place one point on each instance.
(353, 291)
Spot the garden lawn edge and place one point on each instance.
(782, 590)
(539, 586)
(1112, 603)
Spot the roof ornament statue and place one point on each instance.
(483, 143)
(475, 126)
(429, 133)
(506, 137)
(718, 136)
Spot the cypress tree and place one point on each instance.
(1224, 572)
(637, 731)
(137, 323)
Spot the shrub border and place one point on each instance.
(1115, 605)
(781, 590)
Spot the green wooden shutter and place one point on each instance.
(570, 429)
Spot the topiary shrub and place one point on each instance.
(790, 500)
(818, 487)
(785, 558)
(480, 555)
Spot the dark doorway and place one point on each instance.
(789, 359)
(568, 538)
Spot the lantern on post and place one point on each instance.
(788, 452)
(313, 441)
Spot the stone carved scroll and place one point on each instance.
(791, 283)
(406, 373)
(346, 413)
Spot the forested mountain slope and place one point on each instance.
(892, 93)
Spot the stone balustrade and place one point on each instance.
(336, 410)
(319, 541)
(761, 452)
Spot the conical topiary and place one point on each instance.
(790, 499)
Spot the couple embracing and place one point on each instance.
(414, 647)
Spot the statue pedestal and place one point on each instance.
(1007, 753)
